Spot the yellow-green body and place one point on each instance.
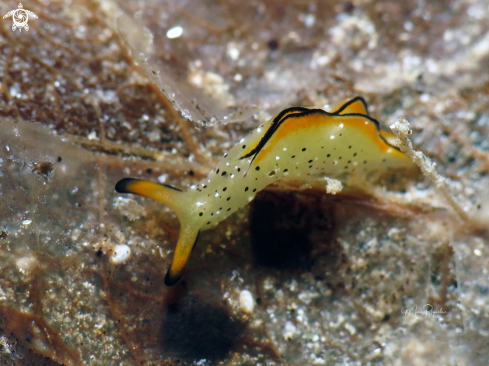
(345, 144)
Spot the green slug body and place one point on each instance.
(346, 144)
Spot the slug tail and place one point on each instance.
(186, 242)
(171, 197)
(168, 195)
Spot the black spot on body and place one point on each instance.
(217, 171)
(201, 213)
(303, 149)
(223, 174)
(224, 189)
(246, 189)
(257, 168)
(59, 159)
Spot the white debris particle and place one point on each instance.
(268, 284)
(26, 222)
(350, 328)
(92, 135)
(294, 286)
(333, 186)
(162, 178)
(289, 330)
(120, 254)
(75, 234)
(477, 252)
(279, 295)
(319, 361)
(129, 208)
(153, 136)
(233, 53)
(238, 77)
(26, 264)
(174, 32)
(246, 302)
(211, 83)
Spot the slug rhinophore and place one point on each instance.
(346, 144)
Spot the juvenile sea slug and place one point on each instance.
(345, 144)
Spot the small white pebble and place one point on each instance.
(26, 264)
(120, 254)
(162, 178)
(246, 301)
(26, 222)
(174, 32)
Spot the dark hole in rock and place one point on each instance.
(279, 232)
(195, 330)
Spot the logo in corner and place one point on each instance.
(20, 17)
